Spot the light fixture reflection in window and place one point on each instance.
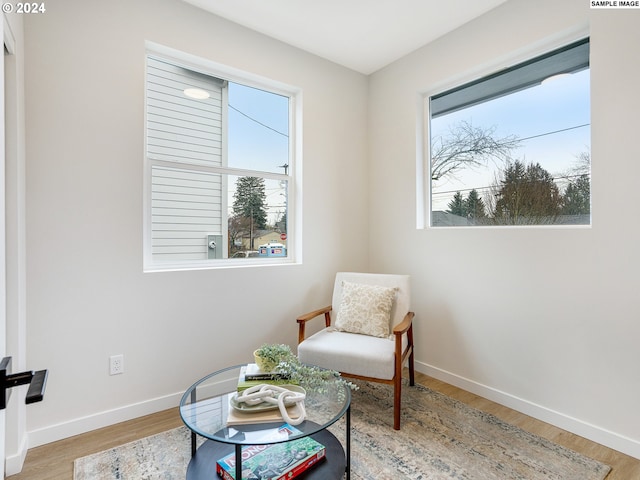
(196, 93)
(553, 78)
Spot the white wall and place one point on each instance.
(87, 295)
(545, 320)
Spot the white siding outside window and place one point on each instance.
(184, 137)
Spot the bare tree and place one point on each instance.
(577, 192)
(239, 227)
(467, 146)
(582, 165)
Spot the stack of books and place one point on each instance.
(239, 417)
(250, 376)
(278, 461)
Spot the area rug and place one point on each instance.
(441, 439)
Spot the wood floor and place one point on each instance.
(54, 461)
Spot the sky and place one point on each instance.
(556, 115)
(258, 125)
(557, 106)
(258, 129)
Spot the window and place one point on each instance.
(220, 166)
(513, 148)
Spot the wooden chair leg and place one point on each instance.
(412, 379)
(397, 396)
(410, 340)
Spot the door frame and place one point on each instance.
(8, 47)
(12, 238)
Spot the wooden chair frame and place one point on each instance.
(405, 326)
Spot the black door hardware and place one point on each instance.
(37, 381)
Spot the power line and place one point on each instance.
(258, 122)
(555, 131)
(489, 187)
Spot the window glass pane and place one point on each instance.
(183, 126)
(257, 217)
(519, 159)
(258, 129)
(186, 206)
(189, 213)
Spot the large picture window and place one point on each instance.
(220, 167)
(513, 148)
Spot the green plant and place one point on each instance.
(268, 356)
(308, 376)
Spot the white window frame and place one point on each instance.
(423, 118)
(293, 177)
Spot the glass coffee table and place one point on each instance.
(205, 408)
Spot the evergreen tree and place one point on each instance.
(474, 205)
(249, 202)
(526, 194)
(577, 197)
(457, 205)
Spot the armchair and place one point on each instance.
(359, 344)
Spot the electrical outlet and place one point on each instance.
(116, 364)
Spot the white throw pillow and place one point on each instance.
(365, 309)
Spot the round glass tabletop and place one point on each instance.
(209, 408)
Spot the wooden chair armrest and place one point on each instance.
(311, 315)
(404, 325)
(303, 319)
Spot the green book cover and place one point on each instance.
(243, 383)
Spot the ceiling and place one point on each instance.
(363, 35)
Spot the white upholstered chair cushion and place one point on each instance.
(352, 353)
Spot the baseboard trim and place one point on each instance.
(86, 424)
(592, 432)
(14, 463)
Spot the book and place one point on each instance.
(236, 417)
(279, 461)
(253, 372)
(244, 383)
